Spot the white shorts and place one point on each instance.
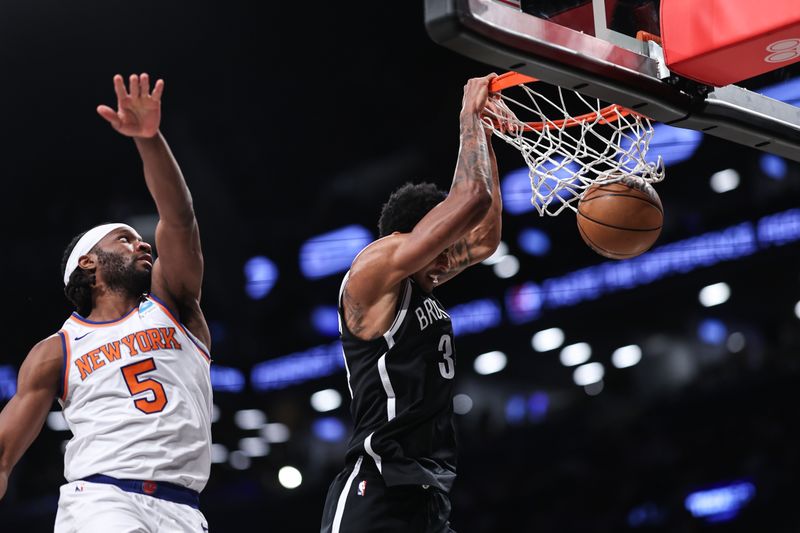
(85, 507)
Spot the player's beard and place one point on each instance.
(123, 277)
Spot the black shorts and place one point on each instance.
(360, 502)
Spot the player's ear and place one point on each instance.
(88, 261)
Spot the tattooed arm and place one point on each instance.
(375, 276)
(482, 240)
(471, 197)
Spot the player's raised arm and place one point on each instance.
(470, 195)
(22, 418)
(467, 203)
(482, 240)
(178, 271)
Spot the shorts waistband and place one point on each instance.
(157, 489)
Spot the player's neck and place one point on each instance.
(110, 305)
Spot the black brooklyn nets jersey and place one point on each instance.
(402, 393)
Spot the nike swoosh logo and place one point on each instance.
(82, 336)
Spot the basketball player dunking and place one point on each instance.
(130, 368)
(398, 342)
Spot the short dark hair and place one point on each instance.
(79, 289)
(407, 205)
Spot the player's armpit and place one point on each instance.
(22, 418)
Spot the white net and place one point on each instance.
(568, 151)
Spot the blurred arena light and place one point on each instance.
(515, 186)
(538, 404)
(524, 302)
(326, 400)
(215, 414)
(724, 180)
(674, 145)
(260, 275)
(773, 166)
(239, 460)
(720, 503)
(534, 241)
(490, 363)
(736, 342)
(333, 251)
(575, 354)
(548, 339)
(325, 319)
(290, 477)
(227, 379)
(219, 453)
(497, 255)
(712, 331)
(254, 447)
(515, 409)
(797, 309)
(462, 404)
(588, 374)
(506, 267)
(626, 356)
(56, 421)
(715, 294)
(475, 316)
(786, 91)
(275, 433)
(248, 419)
(515, 189)
(8, 382)
(329, 429)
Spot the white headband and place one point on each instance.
(86, 243)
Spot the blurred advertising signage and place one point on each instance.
(332, 252)
(8, 382)
(298, 367)
(525, 302)
(720, 503)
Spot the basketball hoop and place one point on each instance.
(567, 151)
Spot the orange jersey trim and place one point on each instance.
(172, 317)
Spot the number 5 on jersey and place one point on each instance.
(136, 386)
(447, 368)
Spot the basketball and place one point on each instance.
(620, 220)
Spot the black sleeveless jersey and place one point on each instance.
(401, 386)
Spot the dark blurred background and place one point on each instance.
(293, 122)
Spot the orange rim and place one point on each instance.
(607, 115)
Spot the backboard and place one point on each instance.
(591, 46)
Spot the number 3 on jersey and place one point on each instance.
(447, 368)
(131, 374)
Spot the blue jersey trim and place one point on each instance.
(64, 364)
(156, 489)
(92, 322)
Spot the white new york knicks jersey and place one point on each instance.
(137, 397)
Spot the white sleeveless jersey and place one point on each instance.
(137, 398)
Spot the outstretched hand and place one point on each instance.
(138, 111)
